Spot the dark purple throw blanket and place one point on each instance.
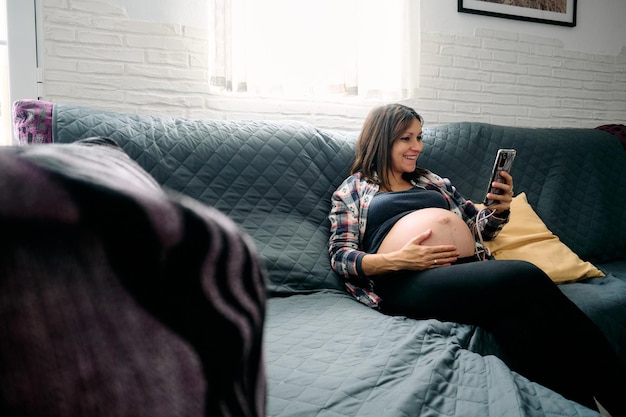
(617, 130)
(118, 298)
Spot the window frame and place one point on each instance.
(24, 57)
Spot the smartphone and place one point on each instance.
(504, 162)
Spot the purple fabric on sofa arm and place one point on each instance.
(32, 121)
(616, 130)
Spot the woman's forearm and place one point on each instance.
(379, 263)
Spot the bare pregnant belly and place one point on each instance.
(447, 227)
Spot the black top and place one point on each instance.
(389, 207)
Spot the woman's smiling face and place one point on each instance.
(406, 150)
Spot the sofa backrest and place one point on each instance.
(275, 178)
(575, 179)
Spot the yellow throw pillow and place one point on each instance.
(527, 238)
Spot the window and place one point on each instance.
(18, 57)
(314, 49)
(5, 107)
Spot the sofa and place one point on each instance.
(324, 353)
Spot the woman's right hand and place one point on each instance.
(414, 256)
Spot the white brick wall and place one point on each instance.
(517, 79)
(95, 55)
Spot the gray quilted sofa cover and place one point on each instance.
(327, 355)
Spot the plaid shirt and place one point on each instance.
(348, 221)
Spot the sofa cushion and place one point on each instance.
(330, 356)
(527, 238)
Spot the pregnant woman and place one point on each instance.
(408, 243)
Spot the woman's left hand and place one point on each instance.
(504, 199)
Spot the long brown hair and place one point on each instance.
(382, 127)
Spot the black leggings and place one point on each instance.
(542, 333)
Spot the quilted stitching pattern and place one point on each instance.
(274, 179)
(605, 303)
(281, 175)
(577, 190)
(328, 355)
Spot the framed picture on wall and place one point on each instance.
(555, 12)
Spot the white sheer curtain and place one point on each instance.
(315, 48)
